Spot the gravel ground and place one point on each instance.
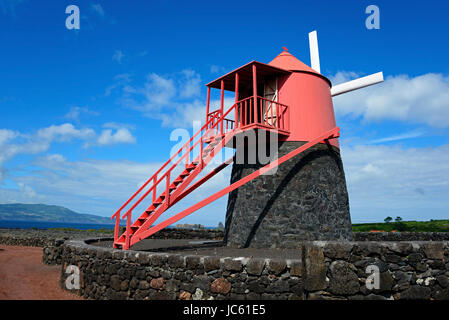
(25, 277)
(206, 248)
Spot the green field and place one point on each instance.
(404, 226)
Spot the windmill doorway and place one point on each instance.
(270, 93)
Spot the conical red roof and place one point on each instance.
(287, 61)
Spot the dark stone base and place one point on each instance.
(305, 200)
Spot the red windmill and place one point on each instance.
(305, 200)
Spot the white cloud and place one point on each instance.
(392, 180)
(116, 125)
(90, 186)
(190, 86)
(98, 9)
(118, 56)
(402, 136)
(122, 135)
(63, 132)
(382, 180)
(14, 143)
(9, 6)
(119, 81)
(7, 135)
(217, 69)
(102, 186)
(174, 100)
(158, 92)
(75, 113)
(421, 99)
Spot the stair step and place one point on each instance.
(191, 166)
(178, 181)
(153, 207)
(172, 186)
(213, 143)
(185, 173)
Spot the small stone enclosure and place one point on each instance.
(321, 270)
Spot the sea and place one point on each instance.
(10, 224)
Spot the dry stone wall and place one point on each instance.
(321, 270)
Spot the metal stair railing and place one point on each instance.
(188, 147)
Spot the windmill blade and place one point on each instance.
(357, 84)
(314, 54)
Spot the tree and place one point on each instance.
(399, 224)
(388, 219)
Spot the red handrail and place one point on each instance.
(214, 120)
(153, 177)
(167, 174)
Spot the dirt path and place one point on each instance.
(23, 276)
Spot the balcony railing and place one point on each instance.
(249, 112)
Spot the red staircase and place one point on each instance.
(209, 140)
(216, 133)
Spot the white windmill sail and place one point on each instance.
(346, 86)
(314, 54)
(357, 84)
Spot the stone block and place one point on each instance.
(211, 263)
(158, 260)
(434, 250)
(342, 280)
(193, 262)
(157, 284)
(176, 261)
(415, 292)
(341, 251)
(297, 268)
(221, 286)
(232, 264)
(276, 267)
(255, 266)
(315, 269)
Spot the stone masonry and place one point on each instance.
(323, 270)
(305, 200)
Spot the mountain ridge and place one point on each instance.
(47, 213)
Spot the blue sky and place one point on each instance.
(86, 115)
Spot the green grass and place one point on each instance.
(404, 226)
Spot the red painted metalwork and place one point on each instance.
(301, 111)
(208, 101)
(210, 133)
(308, 95)
(256, 111)
(236, 86)
(332, 134)
(221, 106)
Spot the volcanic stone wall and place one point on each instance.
(305, 200)
(52, 241)
(321, 270)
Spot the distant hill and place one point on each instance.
(48, 213)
